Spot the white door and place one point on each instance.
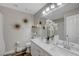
(2, 45)
(72, 28)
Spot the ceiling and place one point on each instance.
(31, 8)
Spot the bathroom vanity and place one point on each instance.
(40, 48)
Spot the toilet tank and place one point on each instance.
(2, 44)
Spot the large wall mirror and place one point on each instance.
(72, 28)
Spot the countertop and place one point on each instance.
(52, 49)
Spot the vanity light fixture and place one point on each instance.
(44, 12)
(52, 6)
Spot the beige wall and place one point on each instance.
(11, 35)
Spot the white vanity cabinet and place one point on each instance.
(37, 51)
(40, 48)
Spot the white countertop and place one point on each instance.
(52, 49)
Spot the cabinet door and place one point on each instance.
(37, 51)
(34, 50)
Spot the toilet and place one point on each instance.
(2, 44)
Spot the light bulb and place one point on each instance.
(47, 9)
(43, 12)
(52, 6)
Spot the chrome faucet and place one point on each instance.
(67, 43)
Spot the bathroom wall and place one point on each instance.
(12, 35)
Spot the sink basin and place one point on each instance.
(75, 50)
(61, 51)
(71, 49)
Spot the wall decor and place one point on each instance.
(34, 27)
(17, 26)
(25, 20)
(40, 22)
(44, 27)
